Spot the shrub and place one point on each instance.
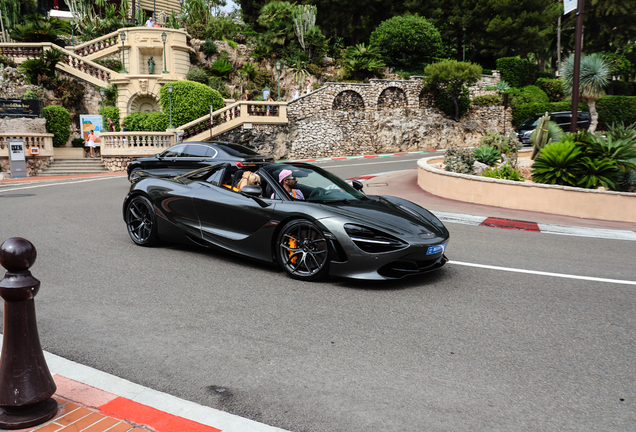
(113, 114)
(506, 145)
(197, 75)
(196, 30)
(505, 172)
(69, 92)
(522, 112)
(620, 151)
(147, 122)
(110, 95)
(526, 95)
(218, 85)
(407, 41)
(621, 88)
(232, 44)
(459, 160)
(190, 100)
(486, 100)
(445, 102)
(626, 180)
(517, 72)
(8, 61)
(545, 75)
(58, 122)
(557, 164)
(487, 154)
(314, 70)
(77, 142)
(615, 109)
(597, 172)
(222, 68)
(553, 88)
(209, 48)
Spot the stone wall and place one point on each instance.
(22, 125)
(34, 165)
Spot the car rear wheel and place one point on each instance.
(302, 251)
(141, 222)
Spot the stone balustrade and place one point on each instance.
(43, 141)
(119, 148)
(96, 45)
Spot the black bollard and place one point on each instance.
(26, 385)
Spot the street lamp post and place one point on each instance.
(122, 36)
(102, 92)
(164, 36)
(154, 9)
(170, 95)
(278, 71)
(72, 33)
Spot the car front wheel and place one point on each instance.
(302, 251)
(141, 221)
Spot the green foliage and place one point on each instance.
(362, 61)
(453, 105)
(249, 70)
(486, 100)
(545, 133)
(620, 131)
(197, 75)
(597, 172)
(407, 41)
(8, 61)
(58, 122)
(526, 95)
(545, 75)
(516, 71)
(619, 64)
(69, 92)
(43, 65)
(487, 154)
(553, 88)
(557, 164)
(276, 18)
(451, 78)
(298, 67)
(620, 151)
(218, 85)
(222, 27)
(197, 30)
(111, 93)
(111, 64)
(221, 68)
(31, 95)
(112, 113)
(506, 145)
(77, 142)
(190, 100)
(504, 172)
(317, 44)
(459, 160)
(626, 180)
(315, 70)
(209, 48)
(147, 122)
(622, 88)
(616, 109)
(35, 28)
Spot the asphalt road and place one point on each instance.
(463, 348)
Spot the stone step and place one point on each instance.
(74, 166)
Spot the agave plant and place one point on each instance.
(620, 131)
(596, 172)
(620, 151)
(487, 154)
(558, 163)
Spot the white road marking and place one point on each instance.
(540, 273)
(2, 190)
(362, 164)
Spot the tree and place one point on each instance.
(407, 41)
(362, 61)
(452, 77)
(594, 77)
(304, 20)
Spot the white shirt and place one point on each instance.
(149, 23)
(296, 95)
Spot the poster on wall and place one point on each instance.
(91, 123)
(17, 160)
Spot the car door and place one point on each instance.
(234, 221)
(165, 163)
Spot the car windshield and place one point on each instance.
(237, 150)
(316, 184)
(531, 122)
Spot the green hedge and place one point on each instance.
(616, 109)
(190, 100)
(522, 112)
(486, 100)
(517, 72)
(526, 95)
(58, 122)
(551, 87)
(113, 114)
(147, 122)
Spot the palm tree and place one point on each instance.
(594, 77)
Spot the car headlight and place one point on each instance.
(373, 241)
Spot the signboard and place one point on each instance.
(569, 6)
(17, 160)
(19, 108)
(91, 123)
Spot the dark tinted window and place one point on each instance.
(237, 150)
(174, 151)
(196, 150)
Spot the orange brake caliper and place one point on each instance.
(292, 245)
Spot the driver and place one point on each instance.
(288, 181)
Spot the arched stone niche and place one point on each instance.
(392, 97)
(348, 100)
(144, 103)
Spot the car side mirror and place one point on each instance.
(158, 155)
(357, 185)
(252, 190)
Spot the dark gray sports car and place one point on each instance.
(320, 226)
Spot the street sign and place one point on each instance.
(17, 159)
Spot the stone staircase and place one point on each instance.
(74, 166)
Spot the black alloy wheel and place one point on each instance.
(141, 221)
(302, 251)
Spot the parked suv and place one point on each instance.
(563, 119)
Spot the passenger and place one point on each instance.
(249, 178)
(288, 181)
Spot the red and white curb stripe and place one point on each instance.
(534, 226)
